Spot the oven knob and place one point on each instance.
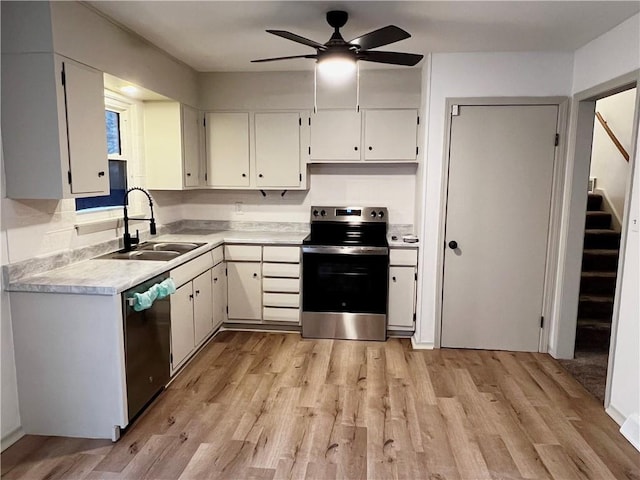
(323, 213)
(381, 214)
(373, 214)
(315, 213)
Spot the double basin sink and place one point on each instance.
(157, 251)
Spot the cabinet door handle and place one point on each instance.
(355, 148)
(197, 292)
(188, 174)
(244, 174)
(215, 279)
(101, 174)
(260, 175)
(255, 275)
(370, 148)
(393, 278)
(191, 297)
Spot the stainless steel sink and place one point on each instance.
(155, 251)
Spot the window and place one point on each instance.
(116, 118)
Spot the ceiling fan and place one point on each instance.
(357, 49)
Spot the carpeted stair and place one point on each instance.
(598, 282)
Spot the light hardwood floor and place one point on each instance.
(272, 406)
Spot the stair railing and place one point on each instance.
(612, 136)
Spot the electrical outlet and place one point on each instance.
(239, 208)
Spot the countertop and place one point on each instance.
(112, 277)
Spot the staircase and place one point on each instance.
(598, 281)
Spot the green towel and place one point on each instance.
(142, 301)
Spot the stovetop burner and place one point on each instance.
(348, 226)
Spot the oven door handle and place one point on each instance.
(338, 250)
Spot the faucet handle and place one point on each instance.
(135, 240)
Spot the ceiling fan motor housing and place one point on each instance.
(337, 18)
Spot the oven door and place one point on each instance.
(344, 292)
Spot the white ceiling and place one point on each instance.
(226, 35)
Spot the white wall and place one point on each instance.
(607, 163)
(386, 186)
(610, 55)
(472, 75)
(613, 54)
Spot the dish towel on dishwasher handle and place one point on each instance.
(142, 301)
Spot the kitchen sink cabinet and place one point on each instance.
(402, 289)
(53, 127)
(371, 135)
(182, 327)
(202, 306)
(173, 136)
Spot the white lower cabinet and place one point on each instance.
(182, 328)
(202, 307)
(402, 289)
(281, 284)
(244, 291)
(219, 297)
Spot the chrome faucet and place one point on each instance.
(130, 241)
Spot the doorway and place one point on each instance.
(607, 190)
(501, 164)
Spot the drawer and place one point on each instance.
(281, 254)
(291, 300)
(218, 255)
(289, 270)
(281, 315)
(403, 256)
(289, 285)
(191, 269)
(243, 253)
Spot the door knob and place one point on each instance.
(453, 244)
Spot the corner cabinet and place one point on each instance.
(370, 135)
(256, 150)
(402, 289)
(53, 127)
(173, 144)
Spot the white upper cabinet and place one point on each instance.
(390, 135)
(172, 136)
(53, 127)
(335, 135)
(277, 149)
(375, 135)
(227, 149)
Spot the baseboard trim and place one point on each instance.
(421, 346)
(631, 430)
(11, 438)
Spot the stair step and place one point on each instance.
(595, 306)
(598, 219)
(598, 283)
(595, 324)
(600, 260)
(593, 335)
(596, 238)
(594, 202)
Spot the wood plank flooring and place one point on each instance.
(275, 406)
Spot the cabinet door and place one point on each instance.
(277, 149)
(390, 134)
(219, 294)
(84, 100)
(182, 334)
(227, 149)
(191, 125)
(402, 296)
(163, 145)
(202, 306)
(335, 135)
(244, 290)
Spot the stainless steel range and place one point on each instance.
(345, 265)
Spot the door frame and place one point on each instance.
(555, 208)
(583, 104)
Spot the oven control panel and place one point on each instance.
(349, 214)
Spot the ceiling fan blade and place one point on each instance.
(395, 58)
(282, 58)
(296, 38)
(380, 37)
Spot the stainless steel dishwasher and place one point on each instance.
(146, 347)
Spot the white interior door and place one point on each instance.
(500, 174)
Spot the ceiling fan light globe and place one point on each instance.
(337, 68)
